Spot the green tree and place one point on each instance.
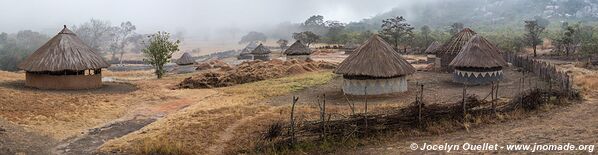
(306, 37)
(253, 37)
(159, 51)
(533, 32)
(456, 28)
(396, 30)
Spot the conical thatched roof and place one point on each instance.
(185, 59)
(454, 45)
(260, 49)
(433, 47)
(298, 48)
(65, 51)
(479, 52)
(375, 58)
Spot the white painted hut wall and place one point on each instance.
(375, 86)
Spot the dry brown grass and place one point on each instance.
(202, 125)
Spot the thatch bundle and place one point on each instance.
(376, 58)
(65, 51)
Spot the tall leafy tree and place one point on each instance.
(306, 37)
(253, 37)
(159, 51)
(396, 30)
(532, 35)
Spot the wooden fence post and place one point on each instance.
(294, 101)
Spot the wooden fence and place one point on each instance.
(544, 70)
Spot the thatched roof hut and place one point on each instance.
(479, 62)
(432, 48)
(186, 59)
(261, 53)
(246, 52)
(64, 62)
(451, 48)
(298, 51)
(375, 66)
(298, 48)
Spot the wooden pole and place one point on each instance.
(365, 92)
(294, 101)
(463, 103)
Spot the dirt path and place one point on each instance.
(137, 119)
(228, 133)
(15, 139)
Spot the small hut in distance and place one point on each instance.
(64, 62)
(350, 47)
(186, 59)
(479, 62)
(375, 68)
(298, 51)
(261, 53)
(246, 52)
(451, 48)
(432, 48)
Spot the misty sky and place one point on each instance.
(191, 16)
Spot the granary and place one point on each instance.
(350, 47)
(450, 49)
(246, 52)
(261, 53)
(479, 62)
(298, 51)
(64, 62)
(375, 68)
(186, 59)
(432, 48)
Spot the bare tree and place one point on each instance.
(282, 43)
(121, 38)
(95, 33)
(532, 36)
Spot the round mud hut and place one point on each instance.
(246, 52)
(261, 53)
(432, 48)
(186, 59)
(451, 48)
(64, 62)
(479, 62)
(375, 68)
(298, 51)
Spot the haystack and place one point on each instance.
(432, 48)
(375, 67)
(450, 49)
(64, 62)
(298, 51)
(186, 59)
(479, 62)
(261, 53)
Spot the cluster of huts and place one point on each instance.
(253, 51)
(374, 67)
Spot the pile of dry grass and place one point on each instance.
(253, 71)
(213, 64)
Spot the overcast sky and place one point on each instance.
(191, 16)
